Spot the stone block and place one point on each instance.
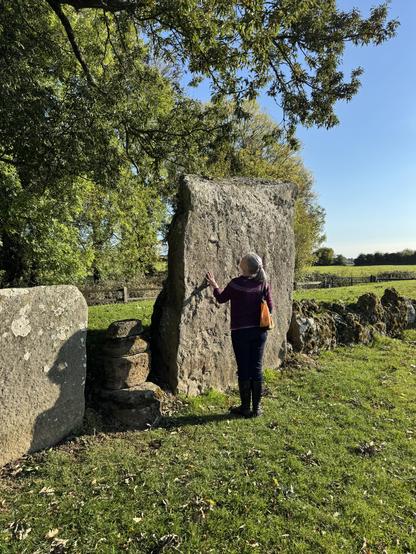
(137, 407)
(42, 367)
(125, 372)
(124, 329)
(115, 348)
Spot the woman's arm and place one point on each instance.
(221, 297)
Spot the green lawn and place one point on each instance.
(350, 294)
(359, 271)
(329, 468)
(100, 317)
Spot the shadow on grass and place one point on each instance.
(97, 422)
(167, 422)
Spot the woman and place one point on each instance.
(248, 338)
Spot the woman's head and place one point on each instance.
(252, 266)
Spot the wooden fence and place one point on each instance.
(329, 281)
(106, 295)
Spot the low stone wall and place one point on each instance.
(320, 326)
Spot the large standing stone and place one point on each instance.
(216, 223)
(42, 367)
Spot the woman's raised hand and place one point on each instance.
(211, 280)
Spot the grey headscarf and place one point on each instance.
(255, 267)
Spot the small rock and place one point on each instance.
(124, 328)
(117, 348)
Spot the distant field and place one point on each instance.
(340, 270)
(359, 271)
(350, 294)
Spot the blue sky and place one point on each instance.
(365, 168)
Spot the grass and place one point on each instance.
(359, 271)
(350, 294)
(100, 317)
(329, 468)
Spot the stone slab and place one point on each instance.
(216, 223)
(137, 407)
(42, 367)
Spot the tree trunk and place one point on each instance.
(96, 275)
(12, 259)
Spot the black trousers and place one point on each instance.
(248, 345)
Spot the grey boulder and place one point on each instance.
(42, 367)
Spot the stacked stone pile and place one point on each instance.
(127, 396)
(321, 326)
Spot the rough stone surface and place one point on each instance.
(411, 311)
(396, 312)
(127, 371)
(115, 348)
(124, 329)
(137, 407)
(321, 326)
(217, 222)
(309, 331)
(42, 367)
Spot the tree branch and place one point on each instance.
(107, 5)
(56, 7)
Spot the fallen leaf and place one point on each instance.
(52, 534)
(47, 490)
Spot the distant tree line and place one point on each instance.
(405, 257)
(326, 256)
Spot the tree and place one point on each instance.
(120, 229)
(406, 256)
(293, 49)
(90, 90)
(340, 260)
(60, 136)
(324, 256)
(252, 149)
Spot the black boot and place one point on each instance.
(245, 393)
(256, 391)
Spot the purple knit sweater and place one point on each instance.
(245, 295)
